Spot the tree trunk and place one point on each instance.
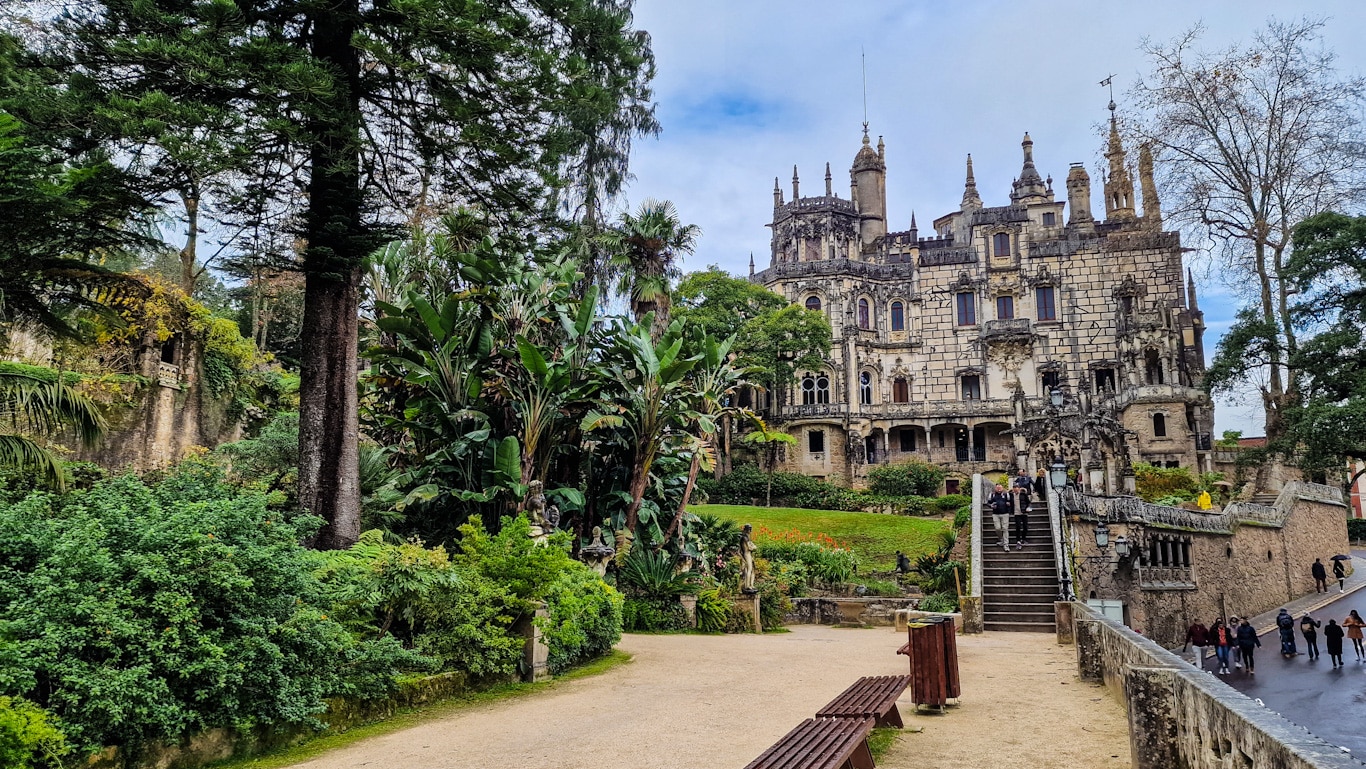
(640, 478)
(188, 254)
(687, 492)
(768, 492)
(329, 463)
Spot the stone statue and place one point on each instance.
(552, 516)
(747, 548)
(535, 504)
(598, 553)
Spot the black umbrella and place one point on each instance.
(1341, 557)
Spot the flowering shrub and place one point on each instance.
(823, 558)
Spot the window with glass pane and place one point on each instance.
(1159, 425)
(967, 310)
(813, 303)
(1005, 307)
(972, 388)
(1043, 302)
(1050, 219)
(898, 317)
(865, 388)
(1001, 244)
(901, 392)
(822, 389)
(863, 313)
(808, 390)
(815, 441)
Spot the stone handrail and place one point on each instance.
(1135, 510)
(813, 410)
(975, 572)
(1055, 525)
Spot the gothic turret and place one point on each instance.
(1030, 187)
(971, 200)
(795, 193)
(828, 191)
(869, 175)
(1119, 186)
(777, 193)
(1152, 207)
(1079, 196)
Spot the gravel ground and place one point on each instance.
(690, 701)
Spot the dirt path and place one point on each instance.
(689, 701)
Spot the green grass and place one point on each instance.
(409, 717)
(881, 740)
(873, 537)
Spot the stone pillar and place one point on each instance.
(971, 607)
(1062, 618)
(1086, 634)
(1152, 718)
(689, 608)
(749, 604)
(535, 652)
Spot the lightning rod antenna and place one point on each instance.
(863, 57)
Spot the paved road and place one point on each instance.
(1330, 703)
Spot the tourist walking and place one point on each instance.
(1354, 623)
(1332, 638)
(1021, 518)
(1221, 638)
(1235, 653)
(1286, 624)
(1309, 629)
(1340, 574)
(1197, 635)
(1000, 504)
(1320, 576)
(1040, 485)
(1247, 641)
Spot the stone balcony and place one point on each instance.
(1006, 330)
(1159, 393)
(947, 410)
(813, 410)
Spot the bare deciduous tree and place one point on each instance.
(1249, 141)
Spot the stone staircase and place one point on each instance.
(1020, 586)
(1264, 498)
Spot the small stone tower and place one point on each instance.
(1079, 196)
(869, 177)
(971, 200)
(1119, 186)
(1030, 187)
(1152, 207)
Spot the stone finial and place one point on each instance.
(777, 193)
(971, 200)
(828, 190)
(1029, 187)
(1152, 207)
(751, 264)
(795, 195)
(1191, 301)
(881, 148)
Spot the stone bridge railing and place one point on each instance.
(1135, 510)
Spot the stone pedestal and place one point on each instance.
(535, 652)
(1062, 617)
(749, 605)
(974, 621)
(689, 603)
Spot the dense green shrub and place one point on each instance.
(1356, 528)
(649, 573)
(940, 602)
(881, 587)
(713, 610)
(963, 517)
(584, 618)
(28, 739)
(905, 479)
(653, 615)
(718, 537)
(136, 613)
(1173, 483)
(952, 502)
(831, 565)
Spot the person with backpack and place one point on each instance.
(1286, 624)
(1197, 635)
(1001, 503)
(1222, 639)
(1309, 629)
(1247, 642)
(1332, 638)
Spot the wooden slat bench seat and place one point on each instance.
(821, 743)
(869, 696)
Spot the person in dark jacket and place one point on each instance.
(1286, 624)
(1332, 638)
(1040, 485)
(1001, 503)
(1023, 489)
(1221, 637)
(1339, 574)
(1247, 641)
(1197, 635)
(1320, 576)
(1309, 629)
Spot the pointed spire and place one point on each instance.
(828, 190)
(777, 193)
(1119, 186)
(751, 264)
(1152, 207)
(881, 148)
(795, 196)
(971, 200)
(915, 231)
(1191, 301)
(1030, 185)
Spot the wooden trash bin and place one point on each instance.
(933, 650)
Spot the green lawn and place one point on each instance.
(874, 537)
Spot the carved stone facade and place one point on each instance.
(946, 348)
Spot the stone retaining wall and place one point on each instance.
(860, 612)
(1183, 718)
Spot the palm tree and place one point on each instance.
(771, 440)
(648, 244)
(31, 408)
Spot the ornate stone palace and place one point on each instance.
(949, 348)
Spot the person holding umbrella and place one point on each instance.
(1340, 571)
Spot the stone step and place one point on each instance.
(1021, 627)
(1022, 592)
(1021, 568)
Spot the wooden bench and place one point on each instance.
(821, 743)
(870, 696)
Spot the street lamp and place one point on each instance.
(1122, 547)
(1057, 472)
(1055, 397)
(1103, 536)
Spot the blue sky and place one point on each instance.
(748, 88)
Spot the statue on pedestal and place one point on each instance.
(598, 553)
(747, 548)
(535, 511)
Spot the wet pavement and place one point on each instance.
(1330, 703)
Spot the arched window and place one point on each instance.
(1159, 426)
(863, 315)
(901, 392)
(1001, 244)
(898, 317)
(822, 389)
(865, 388)
(808, 390)
(813, 303)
